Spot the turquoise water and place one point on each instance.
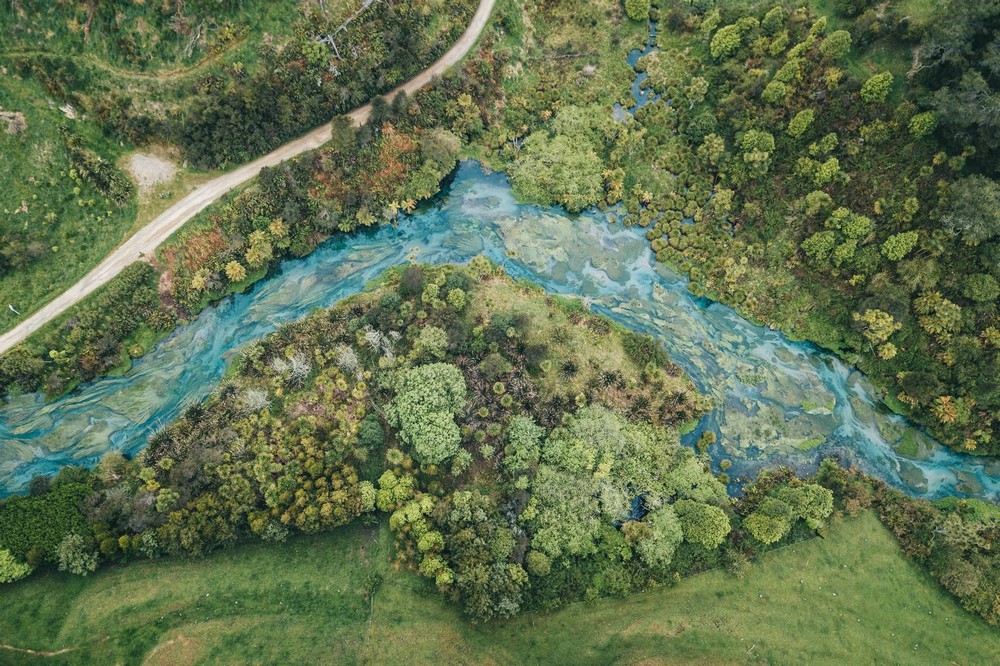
(776, 401)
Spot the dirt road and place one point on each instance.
(147, 239)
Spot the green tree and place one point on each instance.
(702, 523)
(773, 21)
(427, 399)
(538, 563)
(726, 42)
(774, 93)
(757, 147)
(524, 439)
(712, 149)
(235, 271)
(659, 543)
(75, 555)
(836, 46)
(259, 251)
(937, 315)
(974, 209)
(802, 121)
(637, 10)
(876, 88)
(10, 568)
(980, 287)
(922, 124)
(441, 147)
(819, 246)
(771, 521)
(899, 245)
(877, 325)
(431, 344)
(809, 501)
(560, 170)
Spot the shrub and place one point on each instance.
(876, 88)
(75, 555)
(836, 46)
(637, 10)
(10, 568)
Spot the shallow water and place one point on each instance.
(776, 400)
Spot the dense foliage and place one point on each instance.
(808, 226)
(795, 175)
(517, 468)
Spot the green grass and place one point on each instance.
(142, 35)
(40, 201)
(849, 598)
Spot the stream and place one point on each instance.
(776, 401)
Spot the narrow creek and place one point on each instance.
(776, 401)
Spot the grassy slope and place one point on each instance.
(82, 241)
(33, 176)
(859, 601)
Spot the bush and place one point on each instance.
(836, 46)
(10, 568)
(637, 10)
(75, 555)
(876, 88)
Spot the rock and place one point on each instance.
(589, 70)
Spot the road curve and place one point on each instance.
(146, 240)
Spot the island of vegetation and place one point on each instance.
(524, 450)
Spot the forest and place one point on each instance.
(803, 169)
(828, 170)
(518, 467)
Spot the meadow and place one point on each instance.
(336, 598)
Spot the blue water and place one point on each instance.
(640, 93)
(773, 397)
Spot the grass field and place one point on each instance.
(850, 598)
(66, 226)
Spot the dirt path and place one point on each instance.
(37, 653)
(145, 241)
(165, 74)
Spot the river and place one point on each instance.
(776, 401)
